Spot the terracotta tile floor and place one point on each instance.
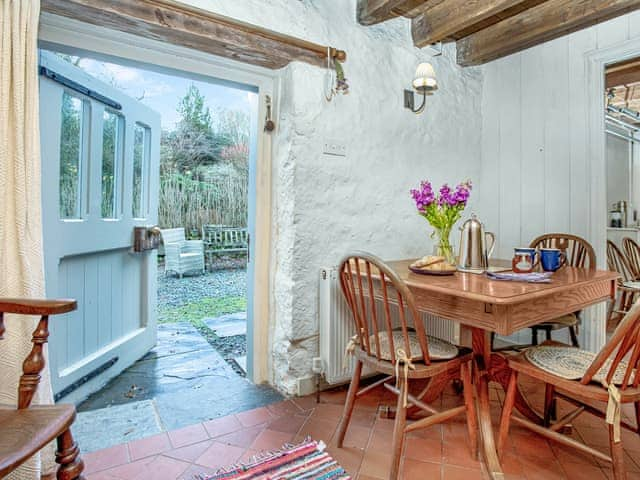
(440, 452)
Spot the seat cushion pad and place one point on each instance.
(438, 349)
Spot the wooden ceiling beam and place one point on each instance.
(536, 25)
(624, 76)
(439, 21)
(370, 12)
(179, 24)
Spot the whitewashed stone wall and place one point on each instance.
(326, 205)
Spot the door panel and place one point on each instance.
(98, 148)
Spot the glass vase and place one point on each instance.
(443, 247)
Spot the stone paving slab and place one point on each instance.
(188, 381)
(228, 325)
(102, 428)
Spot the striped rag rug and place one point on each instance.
(308, 461)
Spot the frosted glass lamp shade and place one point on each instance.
(425, 78)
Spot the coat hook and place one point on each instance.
(269, 124)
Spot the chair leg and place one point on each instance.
(549, 404)
(507, 409)
(547, 333)
(68, 457)
(472, 419)
(617, 457)
(398, 431)
(534, 335)
(574, 336)
(493, 339)
(637, 408)
(349, 403)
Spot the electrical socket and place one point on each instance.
(334, 147)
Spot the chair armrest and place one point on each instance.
(173, 249)
(193, 246)
(37, 306)
(34, 363)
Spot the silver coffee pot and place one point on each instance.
(474, 252)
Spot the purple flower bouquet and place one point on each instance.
(442, 211)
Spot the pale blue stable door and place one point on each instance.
(100, 160)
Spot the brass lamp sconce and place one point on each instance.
(425, 83)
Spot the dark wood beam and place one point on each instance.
(179, 24)
(536, 25)
(370, 12)
(622, 73)
(442, 20)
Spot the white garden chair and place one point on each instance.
(181, 255)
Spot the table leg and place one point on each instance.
(500, 372)
(482, 350)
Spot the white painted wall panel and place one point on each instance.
(552, 134)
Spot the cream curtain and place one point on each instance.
(21, 256)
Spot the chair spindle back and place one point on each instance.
(578, 251)
(624, 344)
(617, 262)
(632, 252)
(372, 291)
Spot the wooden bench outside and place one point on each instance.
(221, 239)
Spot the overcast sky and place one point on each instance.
(163, 92)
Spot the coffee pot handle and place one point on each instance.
(493, 243)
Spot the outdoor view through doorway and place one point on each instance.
(196, 370)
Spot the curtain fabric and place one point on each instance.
(21, 254)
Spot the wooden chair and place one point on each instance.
(579, 253)
(25, 430)
(628, 286)
(611, 376)
(632, 253)
(391, 339)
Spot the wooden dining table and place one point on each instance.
(484, 306)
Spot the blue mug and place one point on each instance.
(552, 259)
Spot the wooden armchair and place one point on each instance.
(398, 346)
(582, 379)
(25, 430)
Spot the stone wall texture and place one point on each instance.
(325, 205)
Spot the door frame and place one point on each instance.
(61, 32)
(595, 62)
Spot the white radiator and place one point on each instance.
(336, 328)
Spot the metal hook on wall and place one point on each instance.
(269, 125)
(329, 78)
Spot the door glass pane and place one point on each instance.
(71, 157)
(140, 165)
(111, 160)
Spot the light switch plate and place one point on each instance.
(334, 147)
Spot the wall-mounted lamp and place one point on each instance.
(425, 83)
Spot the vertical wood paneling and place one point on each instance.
(510, 154)
(486, 189)
(579, 42)
(105, 307)
(532, 218)
(613, 31)
(90, 310)
(75, 332)
(557, 164)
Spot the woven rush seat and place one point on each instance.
(438, 349)
(572, 363)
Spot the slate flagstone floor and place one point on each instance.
(440, 452)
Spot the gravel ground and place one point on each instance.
(174, 291)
